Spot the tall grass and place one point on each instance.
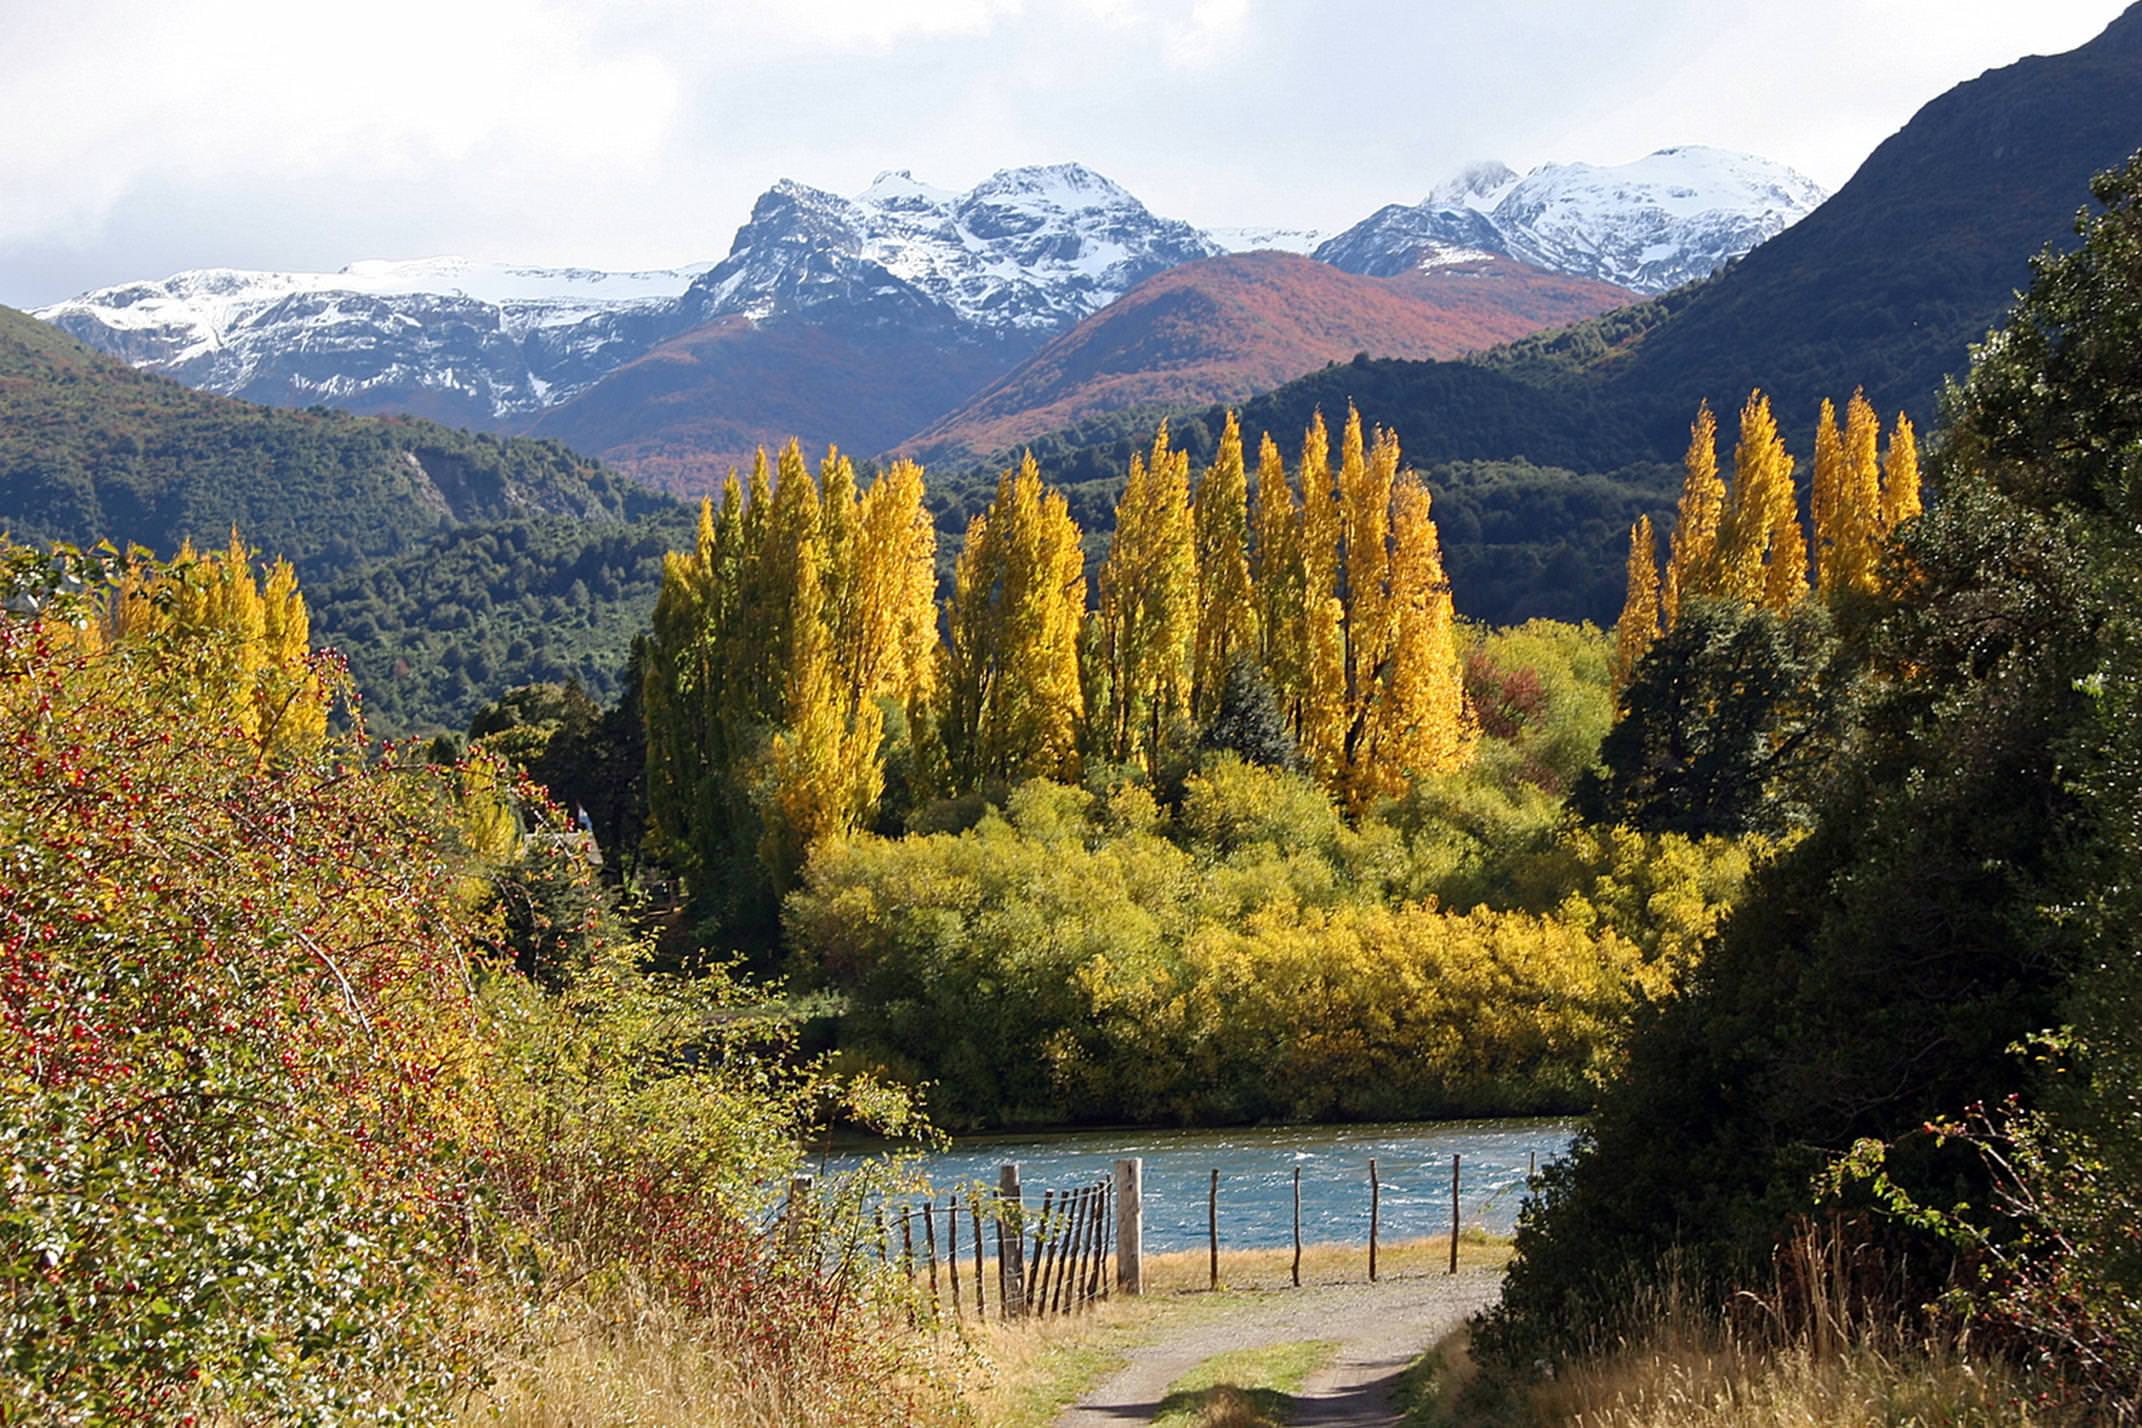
(1820, 1347)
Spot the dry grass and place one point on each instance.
(629, 1361)
(1810, 1353)
(1709, 1379)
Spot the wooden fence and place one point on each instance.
(1075, 1248)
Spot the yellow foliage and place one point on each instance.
(1638, 626)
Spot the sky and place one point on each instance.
(148, 136)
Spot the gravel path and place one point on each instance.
(1380, 1328)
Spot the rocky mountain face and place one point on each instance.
(1666, 219)
(448, 338)
(866, 319)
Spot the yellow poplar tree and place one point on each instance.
(890, 648)
(1279, 583)
(1692, 567)
(291, 713)
(1413, 720)
(1323, 686)
(1760, 505)
(826, 773)
(1901, 500)
(1785, 573)
(1013, 701)
(1859, 514)
(1226, 600)
(1828, 497)
(1638, 626)
(1148, 614)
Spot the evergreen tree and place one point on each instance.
(1247, 721)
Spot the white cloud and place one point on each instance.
(146, 135)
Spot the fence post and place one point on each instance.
(1297, 1227)
(1011, 1241)
(974, 1205)
(1375, 1215)
(952, 1252)
(929, 1246)
(1453, 1214)
(799, 1205)
(1130, 1226)
(1212, 1224)
(1532, 1167)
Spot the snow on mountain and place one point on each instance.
(476, 339)
(1023, 255)
(1266, 239)
(1027, 250)
(1661, 221)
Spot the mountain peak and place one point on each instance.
(1478, 185)
(1654, 223)
(1070, 188)
(901, 187)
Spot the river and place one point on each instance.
(1257, 1164)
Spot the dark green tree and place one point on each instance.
(1724, 726)
(1247, 720)
(1966, 884)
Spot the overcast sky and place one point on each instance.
(145, 136)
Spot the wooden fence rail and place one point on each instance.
(1081, 1244)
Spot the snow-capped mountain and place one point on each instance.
(1267, 239)
(1022, 255)
(476, 340)
(1661, 221)
(1027, 250)
(994, 271)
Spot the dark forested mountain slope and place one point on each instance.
(92, 449)
(1885, 285)
(445, 565)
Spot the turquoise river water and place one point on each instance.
(1257, 1167)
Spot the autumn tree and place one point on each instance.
(1226, 600)
(1322, 692)
(803, 612)
(1827, 496)
(1692, 566)
(1638, 626)
(1148, 623)
(1012, 700)
(1759, 534)
(247, 645)
(1280, 584)
(1861, 527)
(1901, 500)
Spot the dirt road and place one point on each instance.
(1380, 1328)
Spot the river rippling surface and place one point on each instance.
(1257, 1168)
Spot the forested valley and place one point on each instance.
(354, 1079)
